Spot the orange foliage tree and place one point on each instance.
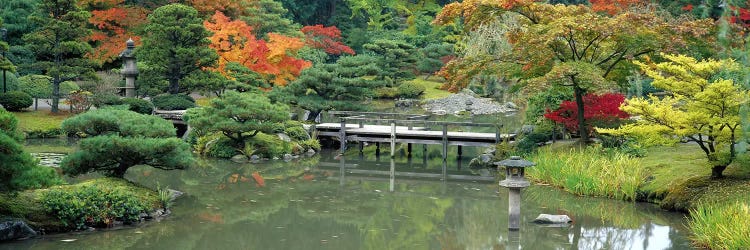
(113, 23)
(234, 41)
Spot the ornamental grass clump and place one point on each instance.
(721, 226)
(589, 172)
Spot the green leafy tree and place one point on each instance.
(58, 43)
(703, 108)
(18, 170)
(564, 45)
(332, 86)
(176, 45)
(119, 139)
(238, 116)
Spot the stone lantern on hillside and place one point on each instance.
(129, 68)
(514, 181)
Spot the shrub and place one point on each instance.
(410, 90)
(311, 144)
(105, 99)
(68, 86)
(268, 145)
(297, 133)
(15, 100)
(541, 101)
(220, 148)
(173, 102)
(139, 105)
(84, 206)
(599, 111)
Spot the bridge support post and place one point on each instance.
(377, 149)
(408, 150)
(393, 140)
(445, 142)
(460, 151)
(342, 136)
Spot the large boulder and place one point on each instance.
(552, 219)
(13, 229)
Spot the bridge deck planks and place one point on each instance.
(402, 131)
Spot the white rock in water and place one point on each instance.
(552, 219)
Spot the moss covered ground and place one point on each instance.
(28, 204)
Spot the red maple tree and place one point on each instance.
(326, 38)
(600, 110)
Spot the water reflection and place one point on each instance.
(306, 205)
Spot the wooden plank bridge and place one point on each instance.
(406, 128)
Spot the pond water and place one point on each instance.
(314, 203)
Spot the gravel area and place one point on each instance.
(458, 102)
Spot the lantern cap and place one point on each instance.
(129, 49)
(515, 161)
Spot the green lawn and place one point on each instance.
(432, 87)
(680, 178)
(40, 123)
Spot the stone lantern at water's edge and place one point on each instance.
(514, 180)
(129, 68)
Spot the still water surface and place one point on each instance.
(310, 204)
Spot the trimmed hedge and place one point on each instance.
(15, 100)
(173, 102)
(410, 90)
(139, 105)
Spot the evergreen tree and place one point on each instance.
(58, 43)
(176, 44)
(332, 86)
(119, 139)
(18, 170)
(239, 116)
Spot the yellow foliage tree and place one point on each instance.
(702, 107)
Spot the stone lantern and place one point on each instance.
(129, 68)
(514, 181)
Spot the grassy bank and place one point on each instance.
(117, 195)
(40, 124)
(677, 178)
(589, 172)
(432, 87)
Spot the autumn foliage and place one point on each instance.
(600, 110)
(113, 23)
(613, 7)
(326, 38)
(235, 41)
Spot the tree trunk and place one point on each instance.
(55, 95)
(581, 122)
(718, 172)
(174, 86)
